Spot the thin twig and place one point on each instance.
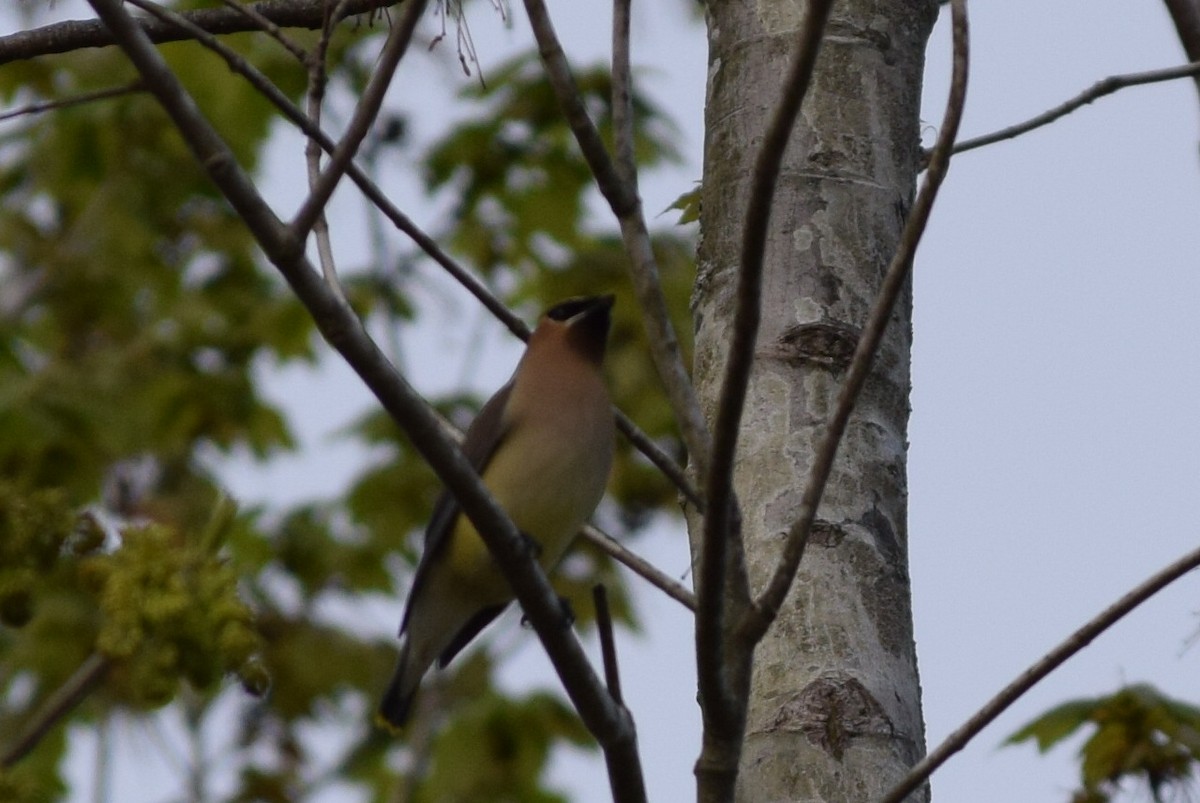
(627, 206)
(274, 31)
(768, 604)
(622, 96)
(57, 706)
(1038, 671)
(611, 725)
(365, 114)
(640, 566)
(660, 459)
(626, 169)
(314, 100)
(74, 100)
(608, 646)
(72, 35)
(1098, 90)
(720, 534)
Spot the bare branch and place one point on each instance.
(640, 566)
(365, 114)
(275, 32)
(1098, 90)
(611, 725)
(767, 606)
(661, 460)
(608, 646)
(627, 206)
(622, 96)
(64, 37)
(721, 543)
(1034, 674)
(626, 783)
(74, 100)
(314, 100)
(57, 706)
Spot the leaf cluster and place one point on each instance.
(1137, 734)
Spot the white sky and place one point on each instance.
(1055, 457)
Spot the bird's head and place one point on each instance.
(583, 321)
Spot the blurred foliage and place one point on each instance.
(136, 324)
(513, 169)
(497, 750)
(1138, 735)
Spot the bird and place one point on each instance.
(543, 447)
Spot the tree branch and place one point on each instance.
(622, 96)
(74, 100)
(608, 645)
(275, 32)
(627, 206)
(57, 706)
(314, 100)
(767, 606)
(1034, 674)
(1098, 90)
(720, 535)
(64, 37)
(640, 566)
(626, 783)
(610, 724)
(365, 114)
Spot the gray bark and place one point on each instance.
(835, 711)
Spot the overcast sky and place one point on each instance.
(1055, 447)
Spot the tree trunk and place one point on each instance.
(835, 706)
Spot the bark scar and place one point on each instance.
(831, 712)
(826, 343)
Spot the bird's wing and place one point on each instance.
(482, 618)
(483, 437)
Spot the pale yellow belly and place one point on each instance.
(550, 509)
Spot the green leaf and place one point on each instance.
(688, 205)
(1056, 724)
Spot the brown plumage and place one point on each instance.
(543, 446)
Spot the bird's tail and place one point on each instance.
(401, 691)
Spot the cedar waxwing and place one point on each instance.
(543, 446)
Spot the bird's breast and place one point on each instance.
(548, 473)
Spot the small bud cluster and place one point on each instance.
(170, 610)
(35, 527)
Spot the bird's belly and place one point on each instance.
(548, 497)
